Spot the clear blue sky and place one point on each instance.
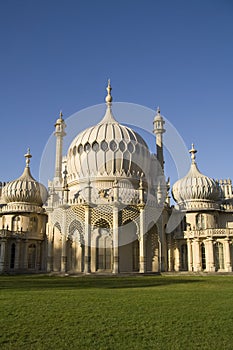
(177, 54)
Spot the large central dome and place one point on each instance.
(107, 149)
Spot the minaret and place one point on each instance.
(59, 133)
(159, 131)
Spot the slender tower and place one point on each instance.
(59, 133)
(159, 131)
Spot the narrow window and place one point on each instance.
(203, 257)
(12, 261)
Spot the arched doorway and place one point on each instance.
(75, 247)
(128, 247)
(102, 249)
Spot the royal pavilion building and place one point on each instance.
(108, 206)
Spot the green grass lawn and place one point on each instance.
(141, 312)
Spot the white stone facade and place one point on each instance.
(108, 207)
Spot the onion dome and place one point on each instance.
(25, 189)
(195, 187)
(107, 149)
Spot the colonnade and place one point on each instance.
(198, 254)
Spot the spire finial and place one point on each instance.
(158, 110)
(193, 151)
(28, 156)
(108, 98)
(60, 114)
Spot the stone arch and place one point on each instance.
(75, 231)
(101, 246)
(152, 248)
(75, 247)
(128, 247)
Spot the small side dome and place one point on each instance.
(195, 186)
(25, 189)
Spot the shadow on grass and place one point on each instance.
(88, 282)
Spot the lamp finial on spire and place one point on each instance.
(193, 151)
(28, 156)
(108, 98)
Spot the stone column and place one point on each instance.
(177, 256)
(227, 255)
(190, 257)
(142, 241)
(50, 250)
(63, 254)
(170, 254)
(115, 239)
(87, 235)
(78, 257)
(209, 250)
(2, 255)
(196, 255)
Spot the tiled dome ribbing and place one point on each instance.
(195, 185)
(25, 189)
(107, 148)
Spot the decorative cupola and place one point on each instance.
(196, 191)
(25, 189)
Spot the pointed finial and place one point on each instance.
(108, 98)
(158, 110)
(60, 114)
(28, 156)
(193, 151)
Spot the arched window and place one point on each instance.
(16, 223)
(32, 256)
(200, 222)
(219, 256)
(12, 261)
(203, 256)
